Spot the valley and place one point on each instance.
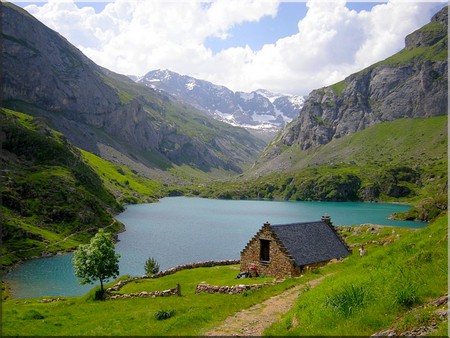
(80, 142)
(138, 141)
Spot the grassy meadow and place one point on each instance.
(361, 295)
(192, 313)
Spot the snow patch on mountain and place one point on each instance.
(191, 85)
(246, 96)
(258, 110)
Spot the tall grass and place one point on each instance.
(348, 300)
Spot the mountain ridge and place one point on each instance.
(411, 83)
(109, 114)
(259, 110)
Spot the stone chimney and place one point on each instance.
(327, 219)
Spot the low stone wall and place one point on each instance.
(170, 271)
(231, 290)
(193, 266)
(176, 291)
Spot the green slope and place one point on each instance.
(125, 184)
(403, 141)
(404, 160)
(51, 199)
(389, 288)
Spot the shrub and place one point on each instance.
(164, 314)
(151, 266)
(99, 295)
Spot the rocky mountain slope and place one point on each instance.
(410, 84)
(259, 110)
(107, 113)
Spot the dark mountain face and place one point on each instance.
(107, 113)
(410, 84)
(259, 110)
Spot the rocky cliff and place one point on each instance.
(410, 84)
(107, 113)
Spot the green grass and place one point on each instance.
(361, 295)
(369, 293)
(436, 52)
(126, 185)
(339, 87)
(218, 275)
(192, 313)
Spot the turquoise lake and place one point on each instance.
(179, 230)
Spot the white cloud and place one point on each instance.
(134, 37)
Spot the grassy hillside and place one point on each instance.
(387, 286)
(404, 160)
(55, 197)
(125, 184)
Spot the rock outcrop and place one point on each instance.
(410, 84)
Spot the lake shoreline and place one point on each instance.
(224, 226)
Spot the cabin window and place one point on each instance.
(265, 250)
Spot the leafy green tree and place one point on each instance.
(97, 260)
(151, 266)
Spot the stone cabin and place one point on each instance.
(286, 250)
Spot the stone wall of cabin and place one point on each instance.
(280, 264)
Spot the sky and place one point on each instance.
(285, 47)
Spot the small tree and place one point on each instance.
(97, 260)
(151, 266)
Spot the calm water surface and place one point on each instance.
(179, 230)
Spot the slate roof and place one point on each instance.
(311, 242)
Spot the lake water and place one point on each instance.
(179, 230)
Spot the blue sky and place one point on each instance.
(269, 29)
(289, 47)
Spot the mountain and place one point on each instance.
(379, 135)
(259, 110)
(409, 84)
(109, 114)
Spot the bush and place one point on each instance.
(151, 266)
(99, 295)
(164, 314)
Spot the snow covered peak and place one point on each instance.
(271, 96)
(258, 110)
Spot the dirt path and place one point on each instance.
(253, 321)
